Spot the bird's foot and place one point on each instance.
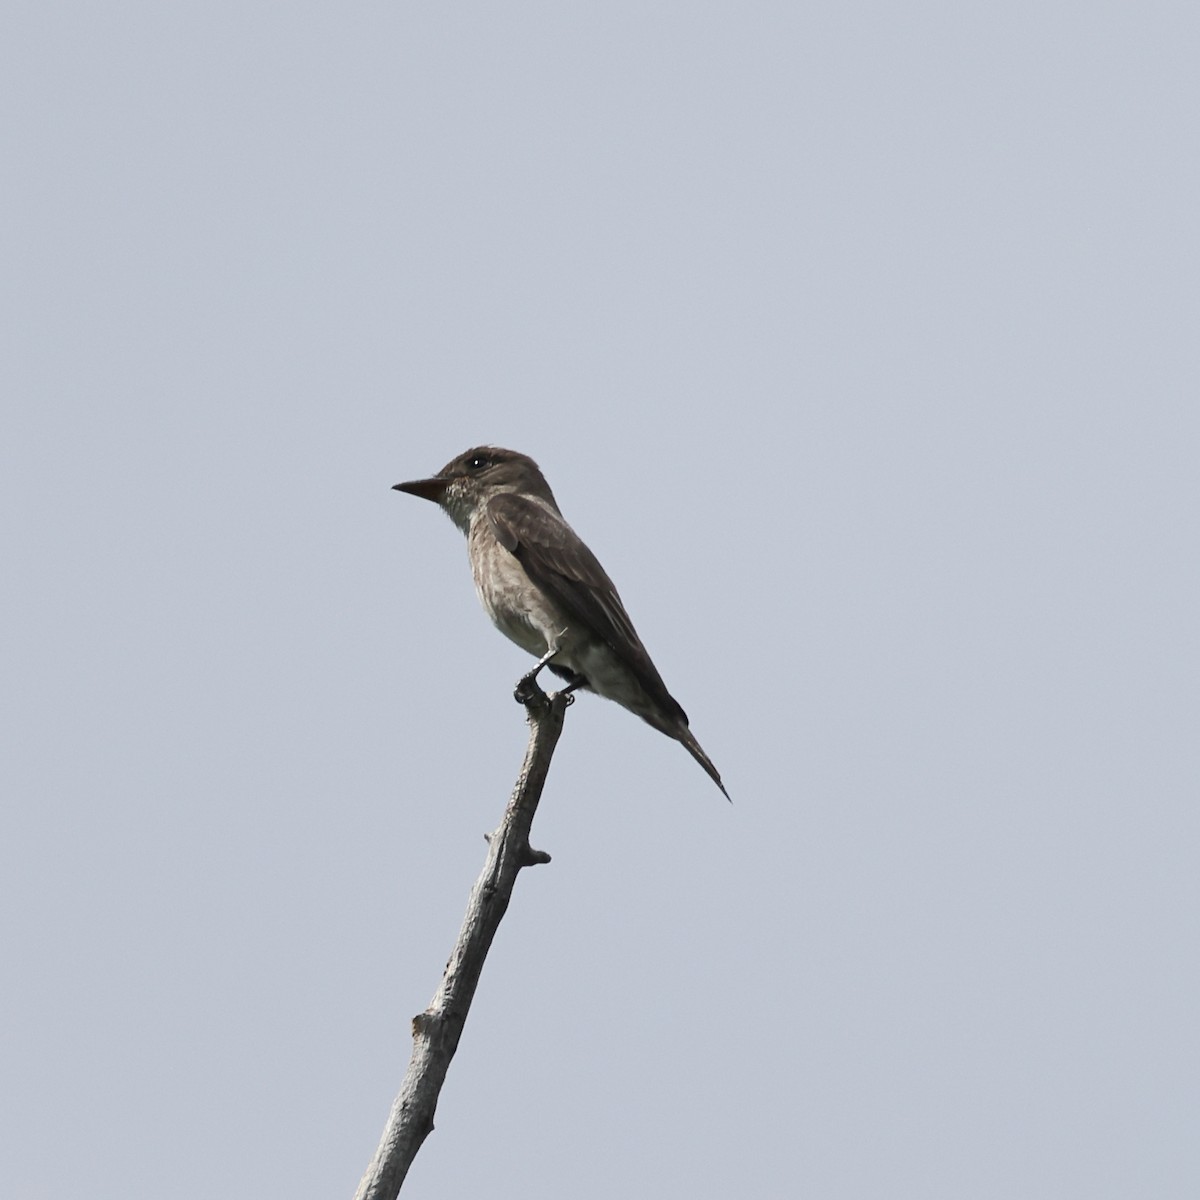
(527, 691)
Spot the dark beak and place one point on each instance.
(428, 489)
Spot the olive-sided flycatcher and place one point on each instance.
(546, 591)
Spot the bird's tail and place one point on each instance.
(692, 746)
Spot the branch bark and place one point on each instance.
(437, 1030)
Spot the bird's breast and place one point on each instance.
(517, 607)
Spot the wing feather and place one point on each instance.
(556, 559)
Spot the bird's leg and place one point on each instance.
(577, 682)
(527, 684)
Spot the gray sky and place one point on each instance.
(860, 344)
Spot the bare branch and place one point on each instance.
(437, 1030)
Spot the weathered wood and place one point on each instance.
(437, 1030)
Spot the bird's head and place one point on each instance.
(468, 481)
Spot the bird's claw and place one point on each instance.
(527, 691)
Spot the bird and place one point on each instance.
(546, 591)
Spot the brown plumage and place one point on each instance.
(546, 591)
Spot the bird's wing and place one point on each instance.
(556, 560)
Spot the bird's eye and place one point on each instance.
(477, 462)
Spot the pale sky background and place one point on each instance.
(860, 343)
